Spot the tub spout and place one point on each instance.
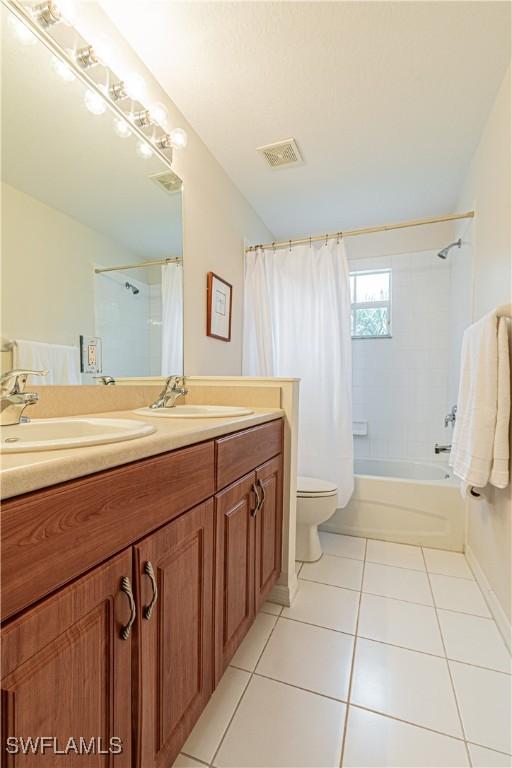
(442, 448)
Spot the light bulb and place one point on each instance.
(23, 33)
(103, 49)
(144, 150)
(94, 103)
(134, 86)
(158, 114)
(178, 138)
(67, 10)
(122, 128)
(62, 69)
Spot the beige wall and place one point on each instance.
(487, 188)
(217, 218)
(47, 270)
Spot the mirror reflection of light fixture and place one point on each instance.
(51, 12)
(164, 141)
(94, 103)
(62, 69)
(142, 118)
(144, 150)
(122, 128)
(117, 91)
(158, 114)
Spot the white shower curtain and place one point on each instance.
(172, 319)
(297, 323)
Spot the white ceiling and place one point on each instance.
(387, 100)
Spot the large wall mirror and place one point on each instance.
(92, 227)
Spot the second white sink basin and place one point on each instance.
(195, 412)
(54, 434)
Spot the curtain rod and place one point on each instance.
(363, 231)
(172, 260)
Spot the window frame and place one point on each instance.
(387, 303)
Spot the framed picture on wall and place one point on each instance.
(218, 312)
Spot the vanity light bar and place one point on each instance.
(42, 16)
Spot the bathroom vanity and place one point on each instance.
(126, 592)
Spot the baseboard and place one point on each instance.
(498, 614)
(284, 594)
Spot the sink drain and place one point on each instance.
(11, 439)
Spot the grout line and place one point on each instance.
(410, 722)
(448, 667)
(320, 626)
(400, 599)
(197, 759)
(491, 749)
(251, 675)
(301, 688)
(345, 724)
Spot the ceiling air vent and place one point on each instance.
(168, 181)
(281, 153)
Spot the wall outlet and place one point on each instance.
(90, 354)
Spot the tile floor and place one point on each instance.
(388, 657)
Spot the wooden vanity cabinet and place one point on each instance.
(174, 569)
(66, 670)
(190, 545)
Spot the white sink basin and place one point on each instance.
(53, 434)
(195, 412)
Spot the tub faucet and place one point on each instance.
(13, 398)
(451, 417)
(442, 448)
(173, 389)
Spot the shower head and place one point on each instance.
(443, 254)
(132, 288)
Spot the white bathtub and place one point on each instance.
(405, 501)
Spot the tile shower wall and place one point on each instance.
(129, 332)
(401, 384)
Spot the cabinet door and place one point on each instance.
(66, 673)
(234, 568)
(175, 574)
(268, 528)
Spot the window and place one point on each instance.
(370, 296)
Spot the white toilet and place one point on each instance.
(316, 502)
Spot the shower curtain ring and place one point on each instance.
(274, 246)
(310, 241)
(290, 245)
(326, 239)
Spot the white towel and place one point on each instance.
(62, 362)
(480, 450)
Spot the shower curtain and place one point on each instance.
(172, 319)
(297, 324)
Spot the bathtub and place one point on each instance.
(404, 501)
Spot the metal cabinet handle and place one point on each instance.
(148, 570)
(255, 511)
(126, 587)
(262, 492)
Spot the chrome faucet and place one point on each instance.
(107, 380)
(173, 389)
(451, 417)
(442, 448)
(13, 398)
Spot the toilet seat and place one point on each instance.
(313, 487)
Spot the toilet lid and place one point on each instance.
(313, 486)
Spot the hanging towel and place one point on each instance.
(480, 450)
(62, 362)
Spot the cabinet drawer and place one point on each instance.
(240, 453)
(51, 536)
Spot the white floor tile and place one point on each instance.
(325, 606)
(405, 684)
(375, 741)
(338, 571)
(458, 595)
(272, 608)
(401, 583)
(400, 555)
(447, 563)
(407, 624)
(253, 643)
(209, 729)
(184, 761)
(310, 657)
(342, 546)
(474, 640)
(487, 758)
(484, 701)
(277, 726)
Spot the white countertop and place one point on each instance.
(23, 472)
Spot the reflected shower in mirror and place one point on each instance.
(92, 229)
